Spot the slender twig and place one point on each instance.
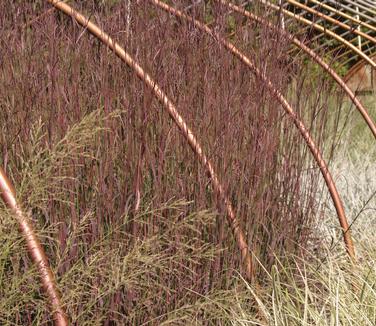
(35, 248)
(288, 109)
(179, 121)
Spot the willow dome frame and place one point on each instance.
(8, 194)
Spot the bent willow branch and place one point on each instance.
(35, 248)
(321, 29)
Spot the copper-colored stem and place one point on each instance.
(176, 117)
(35, 248)
(362, 110)
(288, 109)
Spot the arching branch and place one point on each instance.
(35, 248)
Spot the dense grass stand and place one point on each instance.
(35, 249)
(291, 113)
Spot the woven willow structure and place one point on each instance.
(344, 29)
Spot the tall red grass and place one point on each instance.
(51, 70)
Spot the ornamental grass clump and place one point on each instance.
(129, 215)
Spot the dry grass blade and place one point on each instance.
(371, 124)
(35, 249)
(171, 109)
(288, 109)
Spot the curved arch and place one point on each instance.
(288, 109)
(362, 110)
(341, 13)
(176, 117)
(321, 29)
(38, 256)
(332, 20)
